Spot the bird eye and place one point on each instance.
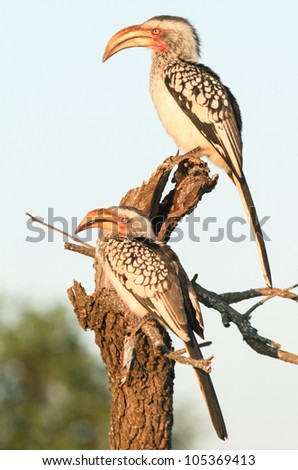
(155, 31)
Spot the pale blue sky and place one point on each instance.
(76, 134)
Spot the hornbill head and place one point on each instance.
(171, 35)
(123, 220)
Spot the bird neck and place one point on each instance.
(103, 238)
(162, 60)
(171, 55)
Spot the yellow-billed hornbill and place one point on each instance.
(196, 109)
(149, 278)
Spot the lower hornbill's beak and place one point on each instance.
(101, 218)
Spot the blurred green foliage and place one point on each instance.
(53, 390)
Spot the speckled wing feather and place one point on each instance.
(150, 275)
(191, 304)
(211, 107)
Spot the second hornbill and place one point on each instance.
(150, 279)
(197, 110)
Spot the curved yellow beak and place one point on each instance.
(133, 36)
(101, 218)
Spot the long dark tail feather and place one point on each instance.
(207, 389)
(253, 219)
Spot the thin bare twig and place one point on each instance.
(274, 292)
(250, 334)
(83, 250)
(76, 239)
(235, 297)
(203, 364)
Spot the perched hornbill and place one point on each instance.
(196, 109)
(149, 278)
